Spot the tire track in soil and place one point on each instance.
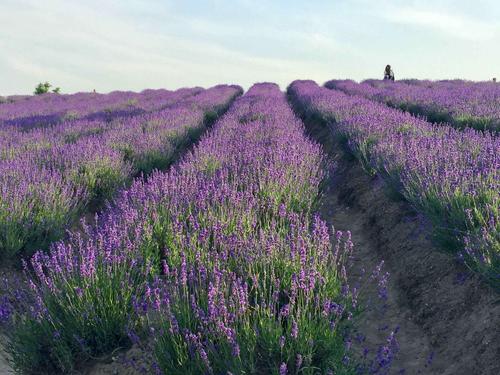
(449, 321)
(5, 368)
(9, 274)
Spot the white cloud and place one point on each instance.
(79, 48)
(444, 21)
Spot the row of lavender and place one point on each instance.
(460, 103)
(13, 98)
(452, 176)
(218, 265)
(57, 128)
(50, 109)
(62, 170)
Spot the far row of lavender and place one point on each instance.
(452, 176)
(49, 176)
(216, 266)
(59, 124)
(13, 98)
(50, 109)
(460, 103)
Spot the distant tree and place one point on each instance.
(42, 88)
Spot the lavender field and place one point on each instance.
(452, 176)
(460, 103)
(60, 155)
(350, 228)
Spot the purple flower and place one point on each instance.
(282, 342)
(295, 330)
(283, 369)
(299, 361)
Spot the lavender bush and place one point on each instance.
(452, 176)
(218, 264)
(34, 207)
(248, 285)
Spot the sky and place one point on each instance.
(137, 44)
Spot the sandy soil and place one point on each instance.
(131, 362)
(8, 274)
(449, 321)
(5, 368)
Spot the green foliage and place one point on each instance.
(43, 88)
(210, 117)
(70, 115)
(476, 122)
(406, 129)
(88, 318)
(35, 221)
(100, 178)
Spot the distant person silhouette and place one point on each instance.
(494, 79)
(388, 74)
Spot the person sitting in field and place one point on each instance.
(388, 73)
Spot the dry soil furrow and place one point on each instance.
(5, 368)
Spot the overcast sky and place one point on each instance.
(137, 44)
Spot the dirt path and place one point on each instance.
(449, 322)
(5, 368)
(8, 276)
